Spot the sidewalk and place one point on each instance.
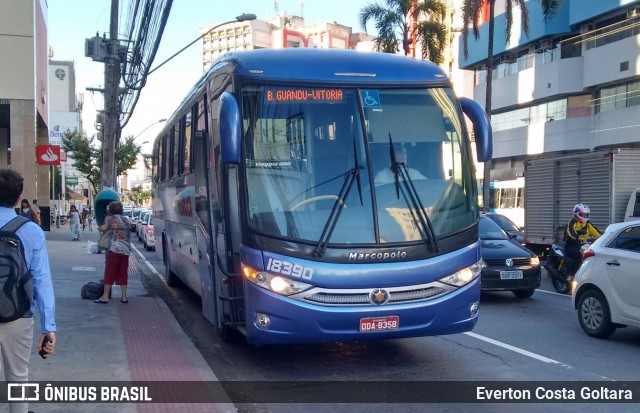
(115, 342)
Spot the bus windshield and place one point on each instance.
(369, 166)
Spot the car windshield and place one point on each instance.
(505, 222)
(489, 230)
(313, 167)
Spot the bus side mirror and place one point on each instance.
(230, 129)
(481, 128)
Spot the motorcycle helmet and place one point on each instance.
(581, 212)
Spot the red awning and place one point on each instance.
(77, 196)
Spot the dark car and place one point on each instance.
(508, 266)
(508, 225)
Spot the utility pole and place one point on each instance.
(111, 106)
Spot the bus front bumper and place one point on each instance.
(276, 319)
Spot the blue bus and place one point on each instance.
(314, 196)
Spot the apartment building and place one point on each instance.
(24, 93)
(572, 85)
(65, 113)
(278, 31)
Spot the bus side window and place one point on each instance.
(165, 158)
(156, 160)
(169, 153)
(185, 165)
(177, 137)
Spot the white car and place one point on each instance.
(148, 237)
(606, 290)
(142, 222)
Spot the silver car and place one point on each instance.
(606, 289)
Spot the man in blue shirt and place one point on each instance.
(16, 337)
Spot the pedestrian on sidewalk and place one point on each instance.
(36, 210)
(83, 217)
(74, 223)
(90, 219)
(16, 337)
(27, 211)
(117, 265)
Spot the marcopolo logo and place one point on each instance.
(369, 256)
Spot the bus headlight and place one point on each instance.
(464, 276)
(272, 282)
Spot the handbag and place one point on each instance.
(105, 240)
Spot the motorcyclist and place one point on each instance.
(579, 230)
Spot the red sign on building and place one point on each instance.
(48, 155)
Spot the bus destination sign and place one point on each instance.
(305, 95)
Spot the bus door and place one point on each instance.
(205, 247)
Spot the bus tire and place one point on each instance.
(171, 277)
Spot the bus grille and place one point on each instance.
(362, 298)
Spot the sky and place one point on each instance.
(70, 22)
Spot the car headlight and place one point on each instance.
(464, 276)
(274, 282)
(535, 261)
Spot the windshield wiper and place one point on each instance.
(411, 197)
(353, 175)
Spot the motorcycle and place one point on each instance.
(558, 264)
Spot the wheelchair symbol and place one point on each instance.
(370, 98)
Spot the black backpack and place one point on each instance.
(92, 290)
(16, 282)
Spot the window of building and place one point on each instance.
(541, 113)
(618, 97)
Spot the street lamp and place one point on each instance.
(150, 125)
(241, 18)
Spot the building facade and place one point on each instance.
(278, 31)
(572, 85)
(24, 93)
(65, 113)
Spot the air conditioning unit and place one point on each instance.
(635, 12)
(533, 47)
(586, 28)
(546, 44)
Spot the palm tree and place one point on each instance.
(397, 24)
(471, 11)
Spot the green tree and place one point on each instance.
(57, 183)
(471, 10)
(87, 157)
(393, 21)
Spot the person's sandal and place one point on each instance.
(99, 301)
